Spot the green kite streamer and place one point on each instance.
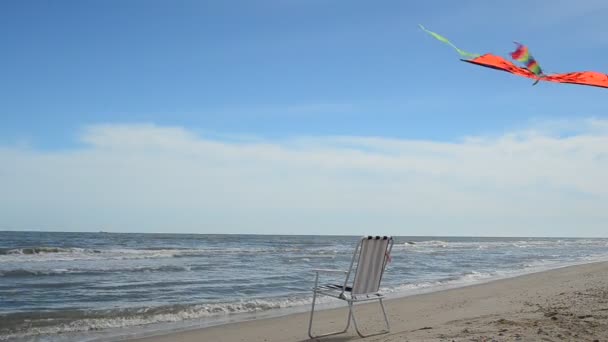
(443, 39)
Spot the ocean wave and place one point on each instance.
(434, 245)
(28, 324)
(23, 272)
(465, 278)
(39, 254)
(44, 250)
(49, 253)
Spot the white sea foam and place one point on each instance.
(43, 254)
(21, 272)
(434, 245)
(146, 316)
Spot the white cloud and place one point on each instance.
(151, 178)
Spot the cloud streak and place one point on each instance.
(147, 178)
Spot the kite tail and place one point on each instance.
(464, 54)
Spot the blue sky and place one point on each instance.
(96, 89)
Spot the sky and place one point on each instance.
(300, 117)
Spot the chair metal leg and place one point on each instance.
(388, 328)
(312, 312)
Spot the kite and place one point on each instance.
(531, 68)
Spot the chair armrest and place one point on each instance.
(328, 271)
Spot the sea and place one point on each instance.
(108, 286)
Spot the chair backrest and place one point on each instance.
(373, 254)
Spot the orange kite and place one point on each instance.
(532, 69)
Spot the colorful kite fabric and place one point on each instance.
(532, 69)
(523, 56)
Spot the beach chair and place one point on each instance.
(368, 263)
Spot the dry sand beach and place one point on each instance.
(566, 304)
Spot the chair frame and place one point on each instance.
(351, 299)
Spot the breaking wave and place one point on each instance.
(84, 271)
(22, 324)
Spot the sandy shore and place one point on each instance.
(566, 304)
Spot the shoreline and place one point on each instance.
(171, 328)
(534, 306)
